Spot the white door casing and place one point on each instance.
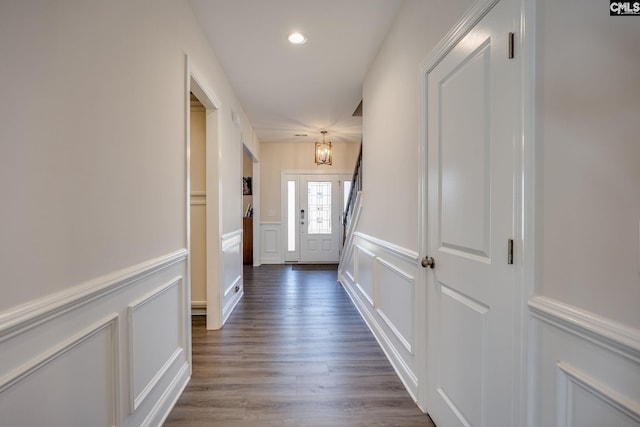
(472, 315)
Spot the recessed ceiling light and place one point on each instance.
(297, 38)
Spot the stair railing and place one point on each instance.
(356, 186)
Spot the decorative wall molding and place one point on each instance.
(387, 317)
(34, 313)
(406, 374)
(569, 378)
(599, 330)
(368, 290)
(138, 398)
(473, 15)
(65, 347)
(271, 243)
(380, 269)
(228, 239)
(390, 247)
(160, 411)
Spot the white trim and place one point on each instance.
(405, 374)
(365, 251)
(597, 329)
(395, 270)
(273, 255)
(187, 192)
(231, 305)
(161, 410)
(408, 254)
(136, 400)
(204, 94)
(34, 365)
(471, 17)
(406, 344)
(34, 313)
(198, 308)
(370, 298)
(225, 237)
(568, 375)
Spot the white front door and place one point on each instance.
(471, 132)
(319, 218)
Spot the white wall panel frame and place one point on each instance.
(41, 362)
(367, 256)
(569, 378)
(138, 394)
(37, 312)
(99, 302)
(271, 243)
(599, 330)
(406, 337)
(366, 278)
(585, 365)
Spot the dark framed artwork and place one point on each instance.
(246, 186)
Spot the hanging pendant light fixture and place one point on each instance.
(323, 151)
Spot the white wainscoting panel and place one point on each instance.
(586, 402)
(271, 250)
(155, 334)
(396, 303)
(232, 289)
(585, 370)
(366, 262)
(75, 358)
(90, 397)
(382, 286)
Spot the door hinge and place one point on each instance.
(510, 251)
(512, 45)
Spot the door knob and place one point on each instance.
(428, 262)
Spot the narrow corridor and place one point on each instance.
(295, 352)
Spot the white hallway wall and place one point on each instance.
(584, 279)
(93, 315)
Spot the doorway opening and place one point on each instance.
(204, 179)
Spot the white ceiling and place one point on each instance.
(287, 89)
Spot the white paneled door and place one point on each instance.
(319, 218)
(471, 131)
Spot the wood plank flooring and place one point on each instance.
(295, 352)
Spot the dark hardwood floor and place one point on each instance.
(295, 352)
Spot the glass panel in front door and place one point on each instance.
(319, 205)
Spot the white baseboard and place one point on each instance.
(198, 308)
